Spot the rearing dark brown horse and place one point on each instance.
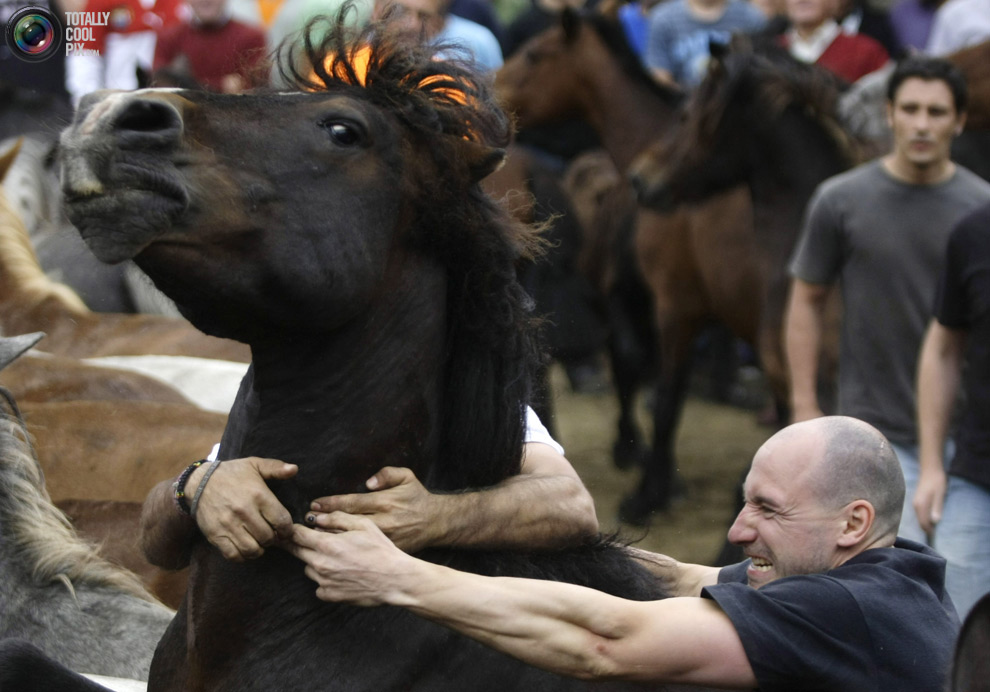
(341, 232)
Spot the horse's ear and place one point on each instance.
(481, 160)
(143, 77)
(12, 347)
(610, 9)
(718, 49)
(570, 20)
(7, 158)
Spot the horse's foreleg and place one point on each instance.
(656, 487)
(631, 359)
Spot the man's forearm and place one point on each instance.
(581, 632)
(571, 630)
(676, 578)
(802, 342)
(166, 534)
(555, 628)
(526, 511)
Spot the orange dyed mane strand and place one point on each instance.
(441, 95)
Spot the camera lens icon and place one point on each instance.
(33, 34)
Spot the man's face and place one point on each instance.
(784, 528)
(924, 121)
(207, 11)
(417, 17)
(809, 13)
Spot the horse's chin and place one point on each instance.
(117, 227)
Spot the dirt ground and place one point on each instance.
(715, 444)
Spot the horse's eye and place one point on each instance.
(343, 134)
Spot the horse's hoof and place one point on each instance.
(627, 454)
(587, 378)
(638, 509)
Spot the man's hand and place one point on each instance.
(399, 505)
(929, 499)
(350, 561)
(237, 511)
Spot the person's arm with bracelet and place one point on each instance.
(236, 512)
(545, 506)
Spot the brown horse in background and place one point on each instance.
(762, 119)
(684, 268)
(974, 62)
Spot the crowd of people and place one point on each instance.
(867, 534)
(225, 44)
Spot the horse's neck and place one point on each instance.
(787, 170)
(346, 403)
(801, 154)
(625, 113)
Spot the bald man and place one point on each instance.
(828, 599)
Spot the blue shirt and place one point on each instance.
(678, 41)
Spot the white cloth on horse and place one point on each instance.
(118, 684)
(209, 383)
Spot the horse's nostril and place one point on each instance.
(148, 117)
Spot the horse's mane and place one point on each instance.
(432, 88)
(40, 533)
(612, 34)
(491, 348)
(759, 71)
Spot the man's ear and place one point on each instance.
(859, 516)
(960, 124)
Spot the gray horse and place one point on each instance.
(56, 593)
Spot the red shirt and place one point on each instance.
(850, 56)
(133, 16)
(214, 50)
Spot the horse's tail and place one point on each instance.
(23, 284)
(38, 531)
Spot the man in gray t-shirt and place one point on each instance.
(880, 230)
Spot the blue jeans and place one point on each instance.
(963, 539)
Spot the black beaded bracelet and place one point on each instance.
(179, 487)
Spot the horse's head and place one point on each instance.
(339, 229)
(541, 82)
(547, 79)
(285, 206)
(729, 123)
